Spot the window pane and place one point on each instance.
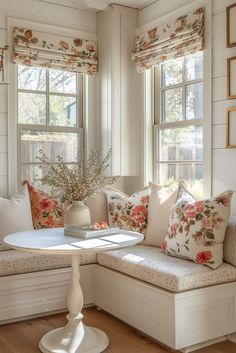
(171, 172)
(194, 66)
(173, 105)
(30, 172)
(181, 144)
(52, 143)
(32, 78)
(31, 108)
(172, 72)
(62, 81)
(62, 111)
(194, 101)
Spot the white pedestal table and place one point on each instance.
(75, 337)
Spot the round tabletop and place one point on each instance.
(53, 241)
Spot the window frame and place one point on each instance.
(158, 124)
(49, 128)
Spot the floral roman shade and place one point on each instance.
(52, 51)
(181, 37)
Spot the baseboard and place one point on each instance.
(202, 344)
(232, 337)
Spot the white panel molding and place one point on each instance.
(118, 88)
(218, 132)
(147, 121)
(30, 294)
(219, 88)
(220, 5)
(219, 111)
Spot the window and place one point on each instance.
(49, 117)
(179, 121)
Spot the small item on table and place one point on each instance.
(101, 225)
(93, 231)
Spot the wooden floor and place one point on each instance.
(23, 337)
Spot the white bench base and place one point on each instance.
(179, 320)
(40, 293)
(185, 321)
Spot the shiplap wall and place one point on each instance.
(41, 12)
(223, 160)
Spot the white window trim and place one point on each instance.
(147, 104)
(13, 134)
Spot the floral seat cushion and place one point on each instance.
(13, 262)
(150, 264)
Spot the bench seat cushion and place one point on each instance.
(14, 262)
(149, 264)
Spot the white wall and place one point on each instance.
(223, 160)
(41, 12)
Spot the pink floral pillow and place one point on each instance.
(128, 212)
(197, 228)
(46, 211)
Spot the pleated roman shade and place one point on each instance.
(36, 48)
(181, 37)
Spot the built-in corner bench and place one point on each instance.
(177, 302)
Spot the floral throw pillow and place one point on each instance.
(128, 212)
(197, 228)
(47, 212)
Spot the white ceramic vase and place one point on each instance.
(77, 214)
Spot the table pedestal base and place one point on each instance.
(74, 337)
(83, 339)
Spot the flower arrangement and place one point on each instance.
(79, 181)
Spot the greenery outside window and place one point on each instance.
(49, 106)
(178, 141)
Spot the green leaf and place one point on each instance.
(199, 216)
(209, 234)
(207, 213)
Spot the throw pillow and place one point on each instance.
(47, 212)
(128, 212)
(197, 228)
(230, 244)
(15, 215)
(161, 203)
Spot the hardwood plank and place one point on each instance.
(23, 337)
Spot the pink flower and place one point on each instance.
(145, 199)
(138, 214)
(173, 229)
(164, 246)
(50, 222)
(46, 204)
(224, 199)
(199, 206)
(203, 257)
(207, 223)
(190, 210)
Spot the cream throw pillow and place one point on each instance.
(161, 202)
(230, 244)
(15, 215)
